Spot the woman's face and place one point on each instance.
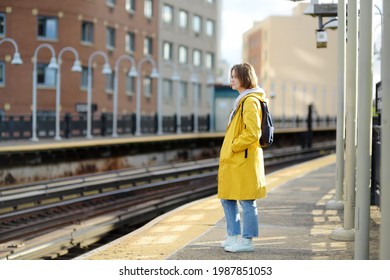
(235, 82)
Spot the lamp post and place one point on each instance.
(193, 79)
(75, 68)
(106, 71)
(153, 74)
(210, 84)
(16, 58)
(52, 65)
(131, 73)
(175, 78)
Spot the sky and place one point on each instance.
(238, 17)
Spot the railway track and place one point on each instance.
(47, 220)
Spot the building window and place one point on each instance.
(210, 28)
(167, 15)
(183, 19)
(110, 82)
(198, 93)
(130, 42)
(209, 60)
(47, 27)
(197, 24)
(2, 24)
(148, 8)
(148, 46)
(46, 77)
(110, 38)
(130, 6)
(197, 58)
(183, 55)
(184, 93)
(130, 86)
(167, 51)
(111, 3)
(167, 91)
(87, 32)
(147, 87)
(84, 77)
(2, 73)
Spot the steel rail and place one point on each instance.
(130, 206)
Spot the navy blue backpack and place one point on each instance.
(267, 126)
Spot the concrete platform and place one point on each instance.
(294, 225)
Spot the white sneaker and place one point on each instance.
(230, 240)
(243, 245)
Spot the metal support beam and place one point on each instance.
(364, 136)
(385, 137)
(347, 233)
(337, 202)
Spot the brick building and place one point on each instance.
(115, 27)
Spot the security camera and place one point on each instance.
(322, 39)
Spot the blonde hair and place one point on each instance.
(246, 74)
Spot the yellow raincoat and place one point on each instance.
(241, 163)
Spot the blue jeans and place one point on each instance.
(249, 217)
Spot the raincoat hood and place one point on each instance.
(258, 91)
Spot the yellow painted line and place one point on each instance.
(165, 234)
(168, 233)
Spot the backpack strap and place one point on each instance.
(262, 104)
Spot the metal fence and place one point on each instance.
(19, 126)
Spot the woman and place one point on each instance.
(241, 166)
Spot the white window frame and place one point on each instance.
(49, 76)
(210, 28)
(110, 37)
(84, 77)
(148, 8)
(183, 19)
(197, 57)
(87, 32)
(50, 32)
(109, 82)
(148, 45)
(130, 42)
(167, 51)
(210, 60)
(183, 55)
(3, 24)
(130, 85)
(148, 87)
(184, 93)
(111, 3)
(167, 14)
(130, 6)
(197, 24)
(167, 91)
(2, 73)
